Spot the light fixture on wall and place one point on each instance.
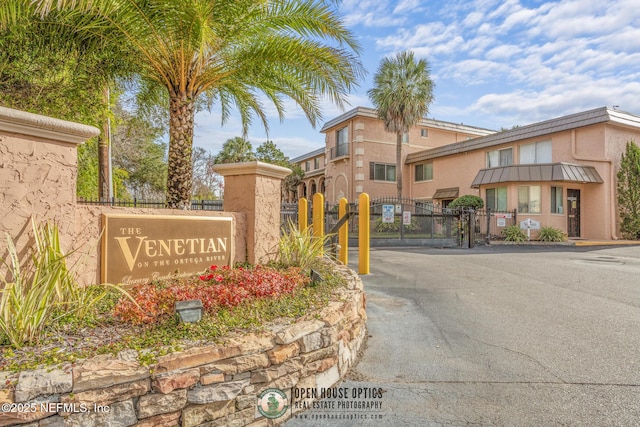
(190, 311)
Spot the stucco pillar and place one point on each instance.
(255, 188)
(38, 170)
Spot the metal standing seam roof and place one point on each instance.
(309, 155)
(446, 193)
(573, 121)
(567, 172)
(426, 122)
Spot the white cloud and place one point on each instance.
(494, 62)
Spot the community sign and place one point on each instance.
(141, 248)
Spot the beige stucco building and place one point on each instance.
(361, 156)
(560, 172)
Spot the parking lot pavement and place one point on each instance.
(498, 336)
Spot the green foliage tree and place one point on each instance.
(139, 156)
(46, 67)
(228, 52)
(207, 184)
(236, 150)
(36, 77)
(467, 201)
(402, 93)
(268, 152)
(629, 192)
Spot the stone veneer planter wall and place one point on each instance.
(214, 385)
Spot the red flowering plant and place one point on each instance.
(217, 287)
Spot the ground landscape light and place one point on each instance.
(316, 277)
(190, 311)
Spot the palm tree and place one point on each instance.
(402, 92)
(236, 150)
(237, 53)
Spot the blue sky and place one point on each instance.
(494, 63)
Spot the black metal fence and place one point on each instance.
(289, 211)
(204, 205)
(404, 222)
(392, 221)
(489, 224)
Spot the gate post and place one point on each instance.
(343, 233)
(254, 188)
(318, 215)
(303, 214)
(472, 228)
(363, 233)
(488, 211)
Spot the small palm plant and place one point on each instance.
(552, 234)
(300, 248)
(41, 289)
(513, 233)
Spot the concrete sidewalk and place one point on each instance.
(571, 242)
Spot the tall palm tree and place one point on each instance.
(402, 92)
(237, 53)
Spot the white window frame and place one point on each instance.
(498, 192)
(374, 169)
(420, 179)
(542, 153)
(531, 205)
(500, 161)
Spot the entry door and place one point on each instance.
(573, 213)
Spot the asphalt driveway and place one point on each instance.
(499, 336)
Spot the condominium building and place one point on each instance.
(560, 172)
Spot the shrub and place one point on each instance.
(514, 233)
(42, 289)
(216, 288)
(300, 248)
(467, 201)
(551, 234)
(628, 190)
(393, 227)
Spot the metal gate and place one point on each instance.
(405, 222)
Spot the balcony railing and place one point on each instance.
(339, 151)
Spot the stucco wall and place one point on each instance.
(38, 171)
(38, 159)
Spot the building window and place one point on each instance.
(556, 200)
(497, 198)
(307, 166)
(424, 133)
(316, 163)
(529, 199)
(342, 143)
(424, 172)
(502, 157)
(538, 152)
(382, 172)
(405, 138)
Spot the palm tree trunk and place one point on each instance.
(399, 164)
(180, 174)
(399, 177)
